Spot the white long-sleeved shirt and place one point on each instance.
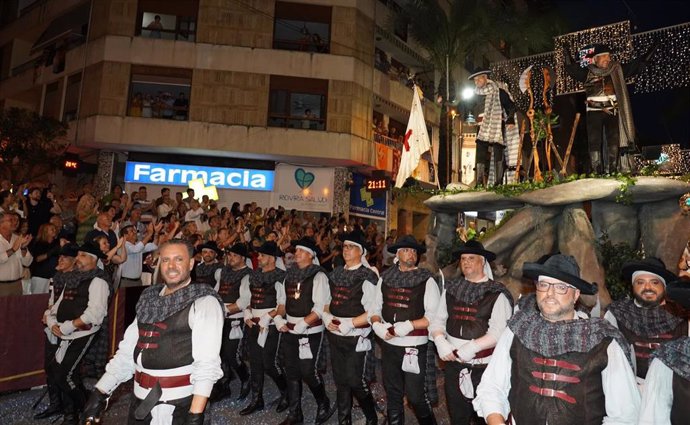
(500, 313)
(622, 399)
(368, 302)
(12, 267)
(657, 397)
(131, 269)
(96, 309)
(206, 321)
(431, 300)
(320, 296)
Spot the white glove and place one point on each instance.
(327, 318)
(279, 322)
(248, 315)
(443, 347)
(403, 328)
(300, 327)
(265, 320)
(67, 327)
(467, 351)
(346, 326)
(380, 329)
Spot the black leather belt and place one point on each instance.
(601, 105)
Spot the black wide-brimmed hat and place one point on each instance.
(269, 248)
(479, 71)
(474, 247)
(679, 291)
(239, 249)
(213, 246)
(649, 264)
(306, 242)
(407, 241)
(69, 250)
(93, 249)
(561, 267)
(356, 237)
(598, 49)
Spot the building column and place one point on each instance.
(341, 193)
(104, 174)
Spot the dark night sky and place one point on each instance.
(661, 117)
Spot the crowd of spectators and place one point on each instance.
(37, 222)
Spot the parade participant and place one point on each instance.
(472, 314)
(609, 114)
(353, 290)
(666, 395)
(172, 348)
(406, 299)
(63, 271)
(648, 319)
(307, 293)
(75, 320)
(267, 300)
(499, 113)
(233, 288)
(208, 271)
(552, 367)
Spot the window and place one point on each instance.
(157, 92)
(302, 27)
(51, 101)
(168, 20)
(71, 97)
(297, 103)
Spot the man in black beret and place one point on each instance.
(551, 366)
(472, 314)
(648, 319)
(406, 300)
(74, 321)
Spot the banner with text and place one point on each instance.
(362, 203)
(303, 188)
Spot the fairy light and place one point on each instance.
(510, 71)
(669, 66)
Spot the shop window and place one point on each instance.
(72, 97)
(297, 103)
(168, 20)
(157, 92)
(51, 101)
(302, 27)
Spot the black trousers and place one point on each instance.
(66, 375)
(399, 383)
(263, 360)
(302, 369)
(178, 417)
(600, 125)
(348, 369)
(460, 407)
(231, 353)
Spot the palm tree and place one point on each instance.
(453, 34)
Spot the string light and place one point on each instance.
(669, 66)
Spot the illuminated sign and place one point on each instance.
(183, 175)
(73, 165)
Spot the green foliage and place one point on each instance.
(651, 169)
(625, 196)
(541, 123)
(613, 257)
(508, 215)
(29, 144)
(444, 254)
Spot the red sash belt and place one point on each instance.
(484, 353)
(545, 376)
(147, 381)
(337, 323)
(415, 332)
(549, 392)
(291, 326)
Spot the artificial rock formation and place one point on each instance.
(570, 218)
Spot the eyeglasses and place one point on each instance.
(559, 288)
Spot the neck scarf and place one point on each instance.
(257, 278)
(340, 276)
(645, 321)
(396, 278)
(295, 274)
(676, 356)
(556, 338)
(153, 307)
(233, 276)
(471, 292)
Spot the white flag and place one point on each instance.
(416, 141)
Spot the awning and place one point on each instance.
(71, 24)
